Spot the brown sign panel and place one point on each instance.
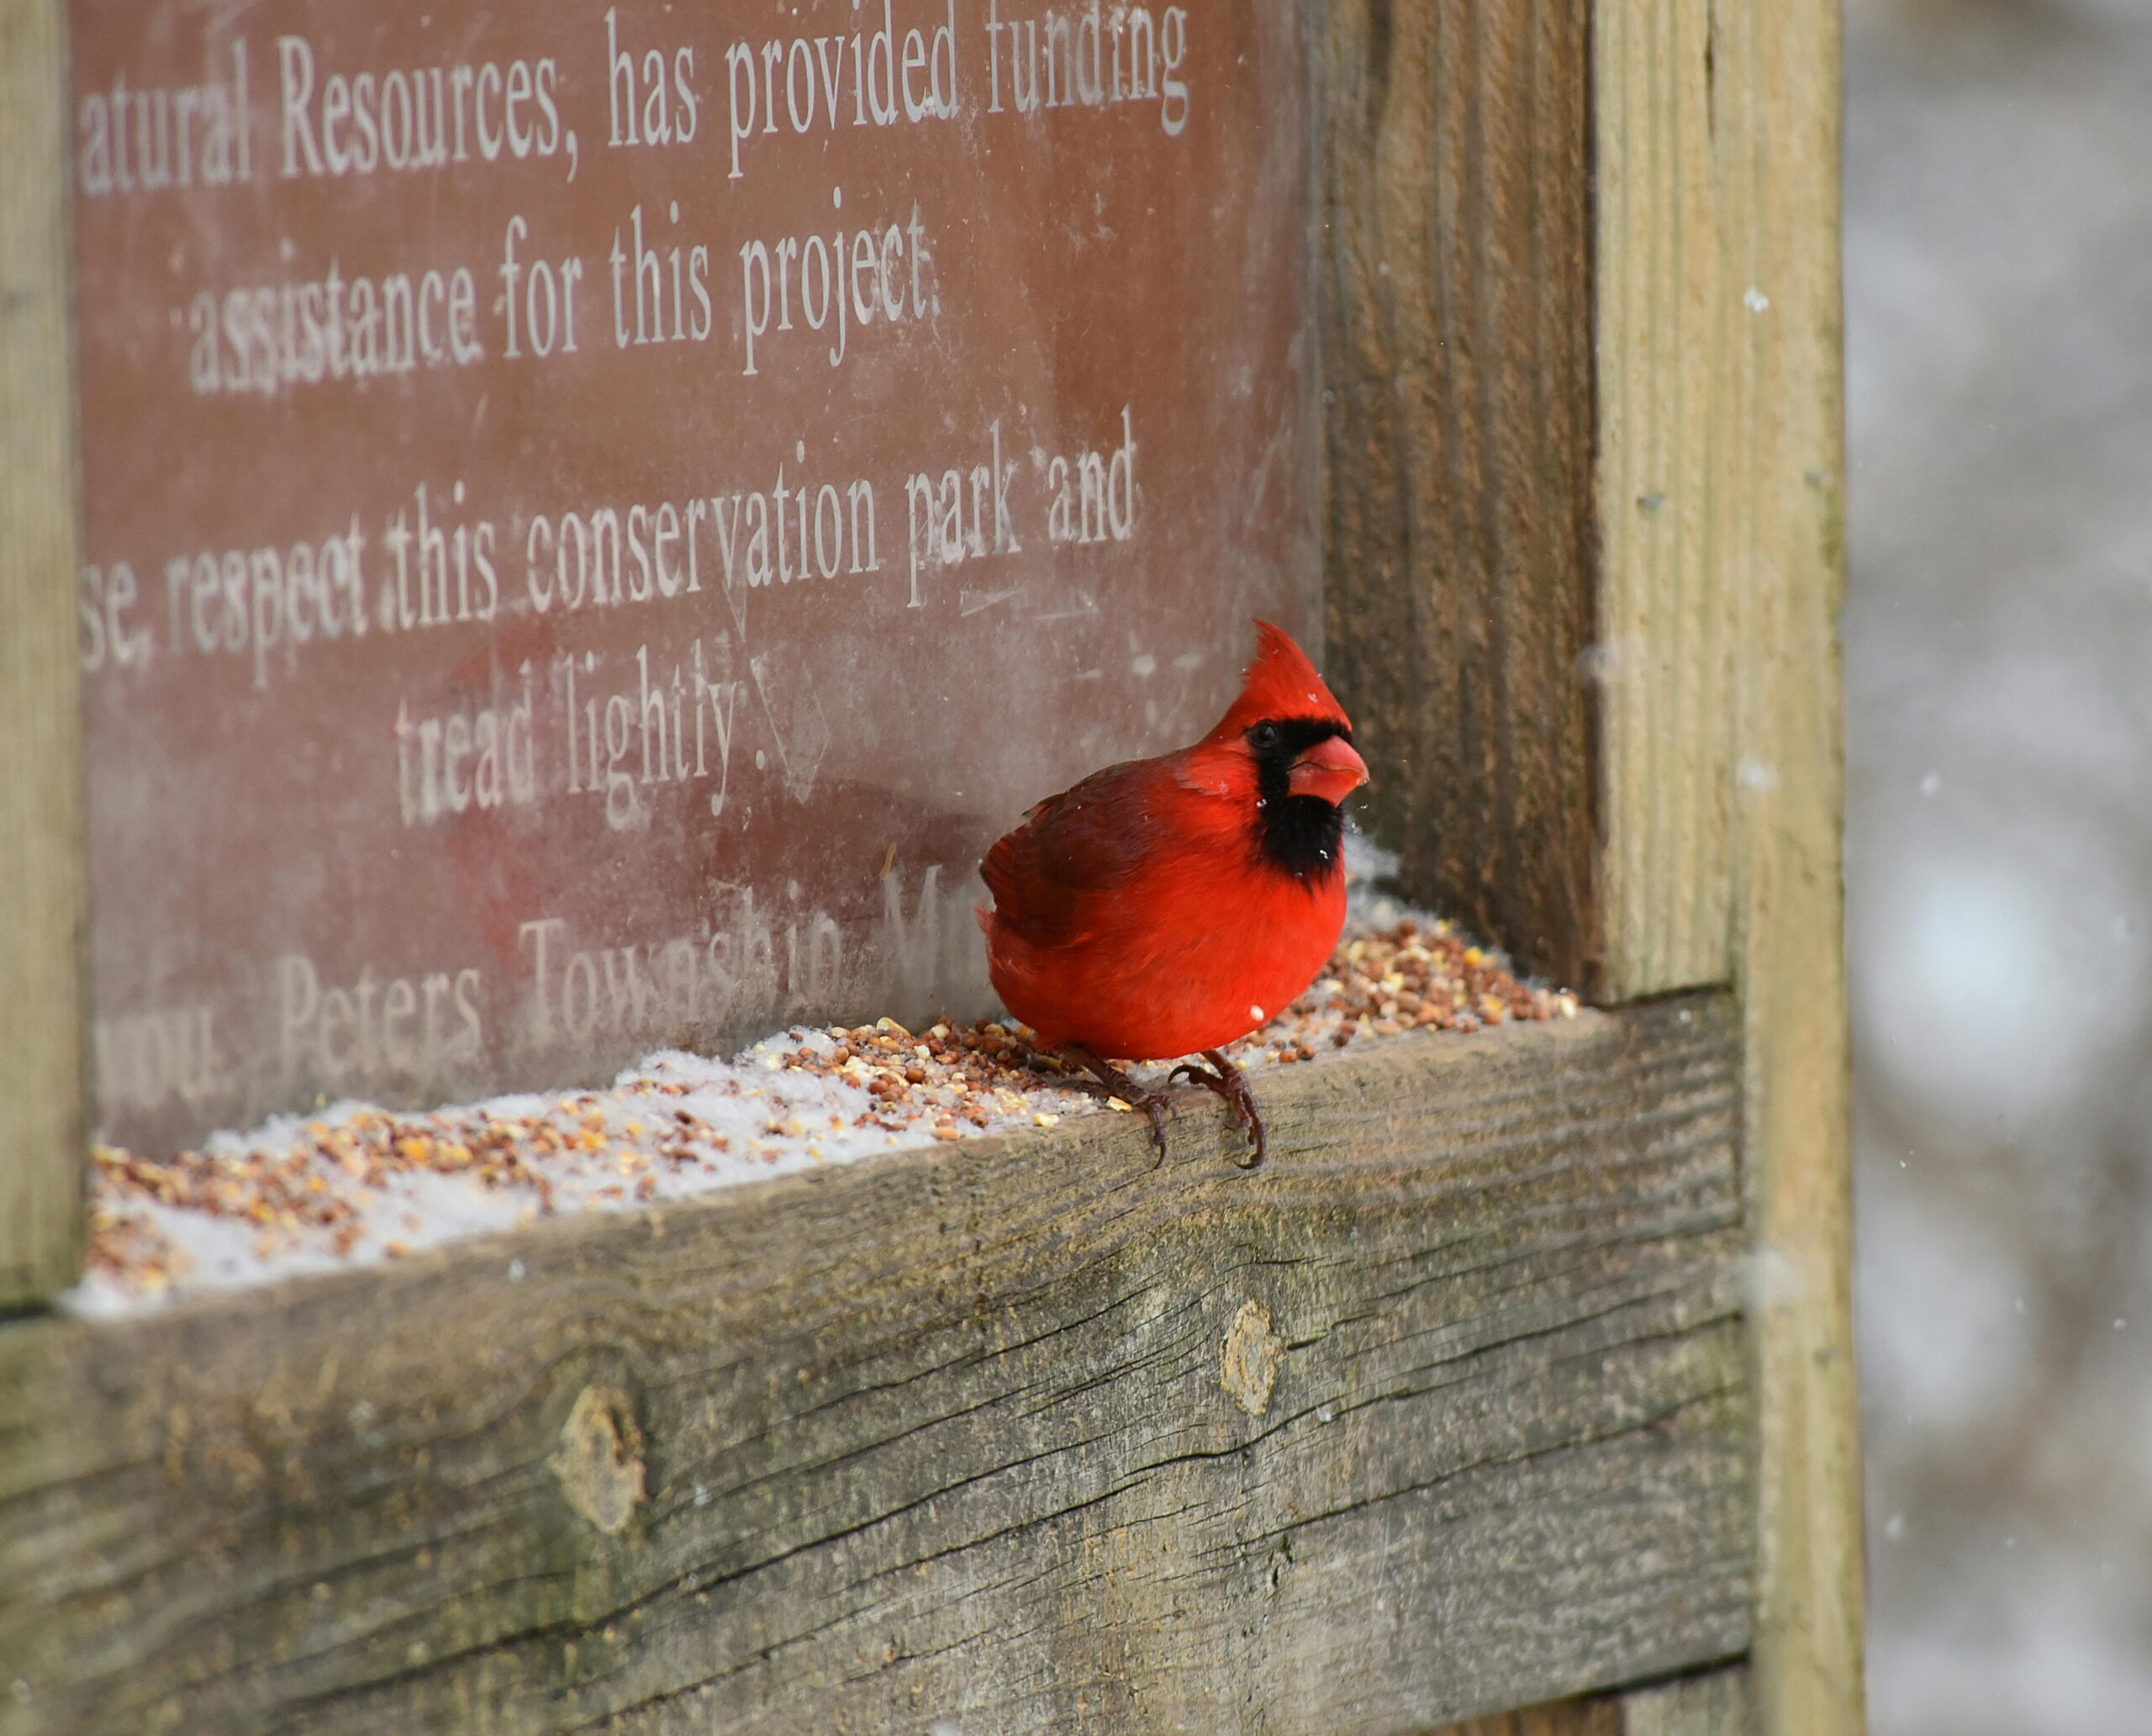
(596, 514)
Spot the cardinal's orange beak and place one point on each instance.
(1329, 769)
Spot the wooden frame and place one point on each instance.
(1524, 1372)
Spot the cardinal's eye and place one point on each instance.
(1263, 737)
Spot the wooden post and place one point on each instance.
(42, 876)
(1606, 703)
(1722, 477)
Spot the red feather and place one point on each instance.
(1138, 914)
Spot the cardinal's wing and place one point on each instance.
(1076, 850)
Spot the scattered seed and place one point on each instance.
(322, 1190)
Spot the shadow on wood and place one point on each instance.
(1460, 512)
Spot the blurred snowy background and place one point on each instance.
(1999, 668)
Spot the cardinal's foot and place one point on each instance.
(1109, 1081)
(1230, 1083)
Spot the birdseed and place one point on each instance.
(357, 1183)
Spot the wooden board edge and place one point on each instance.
(44, 1060)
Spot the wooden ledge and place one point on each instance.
(1442, 1411)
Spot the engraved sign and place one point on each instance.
(596, 514)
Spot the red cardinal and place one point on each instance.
(1173, 904)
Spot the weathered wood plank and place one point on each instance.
(1713, 1703)
(1723, 469)
(1461, 532)
(43, 878)
(1599, 1716)
(1443, 1411)
(1674, 343)
(1811, 1583)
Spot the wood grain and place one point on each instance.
(1461, 533)
(1599, 1716)
(1811, 1594)
(971, 1436)
(1674, 348)
(1712, 1703)
(1721, 364)
(1715, 1703)
(42, 876)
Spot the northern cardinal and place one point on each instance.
(1164, 906)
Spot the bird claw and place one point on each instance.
(1230, 1084)
(1111, 1084)
(1227, 1082)
(1152, 1105)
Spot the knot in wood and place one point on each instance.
(1248, 1360)
(599, 1460)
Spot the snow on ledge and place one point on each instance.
(358, 1184)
